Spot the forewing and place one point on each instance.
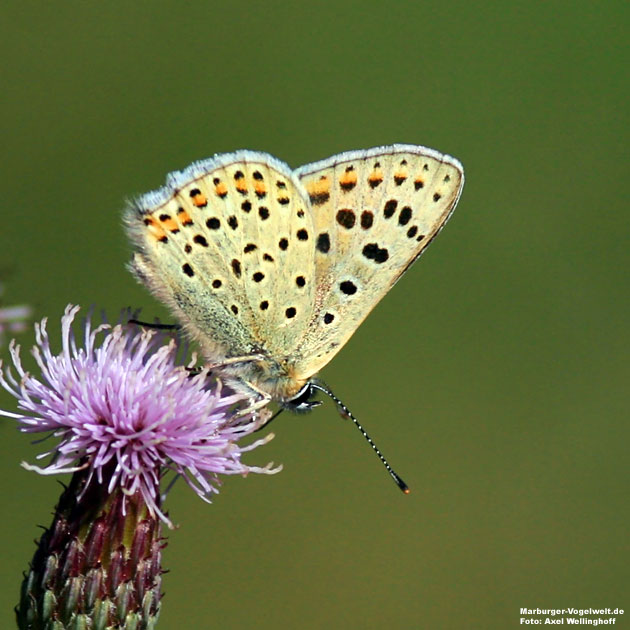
(228, 245)
(374, 213)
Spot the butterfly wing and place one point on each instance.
(228, 245)
(374, 213)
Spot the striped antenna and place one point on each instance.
(346, 413)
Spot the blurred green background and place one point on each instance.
(494, 376)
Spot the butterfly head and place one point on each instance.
(302, 402)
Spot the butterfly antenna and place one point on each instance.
(346, 413)
(154, 326)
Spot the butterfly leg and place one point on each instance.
(256, 406)
(253, 407)
(232, 360)
(258, 410)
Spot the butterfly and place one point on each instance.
(271, 270)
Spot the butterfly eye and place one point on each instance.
(301, 402)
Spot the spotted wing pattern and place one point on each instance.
(228, 245)
(374, 213)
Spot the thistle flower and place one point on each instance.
(125, 413)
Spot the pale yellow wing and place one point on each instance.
(228, 245)
(374, 213)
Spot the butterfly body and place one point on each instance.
(271, 270)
